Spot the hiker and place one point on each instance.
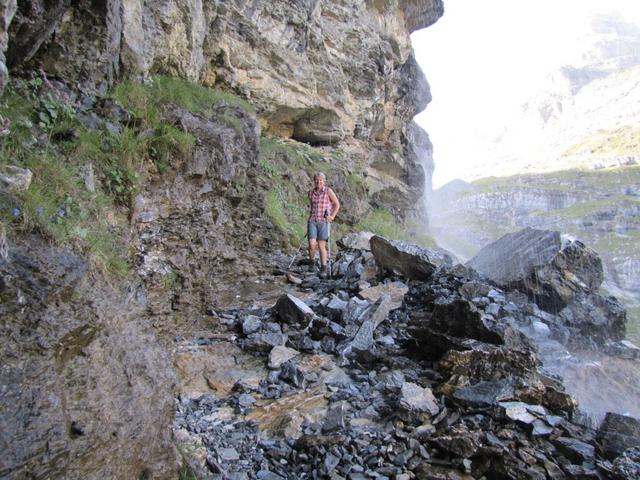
(324, 207)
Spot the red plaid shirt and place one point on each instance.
(320, 203)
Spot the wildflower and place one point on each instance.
(45, 80)
(62, 212)
(39, 209)
(16, 211)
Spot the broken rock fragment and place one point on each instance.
(291, 309)
(415, 398)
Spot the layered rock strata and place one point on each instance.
(319, 72)
(85, 371)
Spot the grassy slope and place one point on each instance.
(45, 135)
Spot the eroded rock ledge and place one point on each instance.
(319, 72)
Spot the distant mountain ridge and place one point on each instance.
(586, 116)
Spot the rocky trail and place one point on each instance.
(403, 365)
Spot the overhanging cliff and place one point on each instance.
(323, 73)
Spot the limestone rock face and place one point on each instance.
(199, 219)
(87, 389)
(320, 72)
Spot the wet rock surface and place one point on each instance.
(561, 276)
(82, 377)
(542, 264)
(447, 385)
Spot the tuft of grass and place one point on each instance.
(289, 218)
(168, 143)
(186, 473)
(145, 100)
(382, 222)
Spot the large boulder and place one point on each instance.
(549, 268)
(595, 318)
(617, 433)
(411, 261)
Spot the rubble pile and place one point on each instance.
(402, 365)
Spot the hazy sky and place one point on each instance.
(483, 58)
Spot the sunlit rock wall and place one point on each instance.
(320, 72)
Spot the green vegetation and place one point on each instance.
(42, 132)
(609, 143)
(587, 209)
(382, 222)
(278, 157)
(623, 244)
(568, 181)
(57, 204)
(186, 452)
(186, 473)
(633, 324)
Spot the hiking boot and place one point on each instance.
(323, 272)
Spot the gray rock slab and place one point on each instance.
(575, 450)
(484, 394)
(228, 454)
(395, 290)
(335, 419)
(363, 339)
(541, 428)
(411, 261)
(522, 412)
(356, 241)
(415, 398)
(251, 324)
(266, 341)
(279, 355)
(291, 309)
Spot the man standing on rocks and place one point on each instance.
(324, 208)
